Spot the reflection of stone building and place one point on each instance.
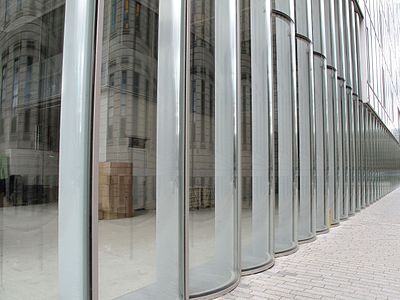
(31, 44)
(202, 129)
(203, 103)
(129, 106)
(246, 129)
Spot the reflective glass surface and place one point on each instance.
(284, 6)
(320, 136)
(339, 39)
(213, 207)
(139, 155)
(340, 151)
(257, 226)
(333, 208)
(31, 53)
(350, 103)
(305, 96)
(286, 202)
(343, 98)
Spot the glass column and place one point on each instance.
(321, 116)
(349, 141)
(306, 115)
(368, 156)
(342, 128)
(375, 159)
(285, 127)
(139, 151)
(256, 136)
(334, 159)
(355, 99)
(362, 155)
(214, 153)
(361, 152)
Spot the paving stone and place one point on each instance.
(357, 260)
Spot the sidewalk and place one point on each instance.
(360, 259)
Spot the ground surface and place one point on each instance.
(360, 259)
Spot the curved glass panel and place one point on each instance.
(213, 208)
(306, 139)
(355, 86)
(286, 202)
(140, 153)
(303, 18)
(31, 55)
(357, 153)
(368, 160)
(375, 160)
(330, 34)
(347, 43)
(320, 135)
(334, 157)
(321, 117)
(284, 6)
(305, 96)
(318, 23)
(353, 48)
(361, 116)
(362, 155)
(351, 141)
(342, 150)
(339, 39)
(257, 225)
(333, 205)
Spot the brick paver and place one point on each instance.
(360, 259)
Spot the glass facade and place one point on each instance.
(163, 149)
(31, 56)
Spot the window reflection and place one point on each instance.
(31, 44)
(212, 194)
(286, 204)
(127, 149)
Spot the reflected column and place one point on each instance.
(285, 127)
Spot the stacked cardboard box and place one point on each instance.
(201, 197)
(115, 194)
